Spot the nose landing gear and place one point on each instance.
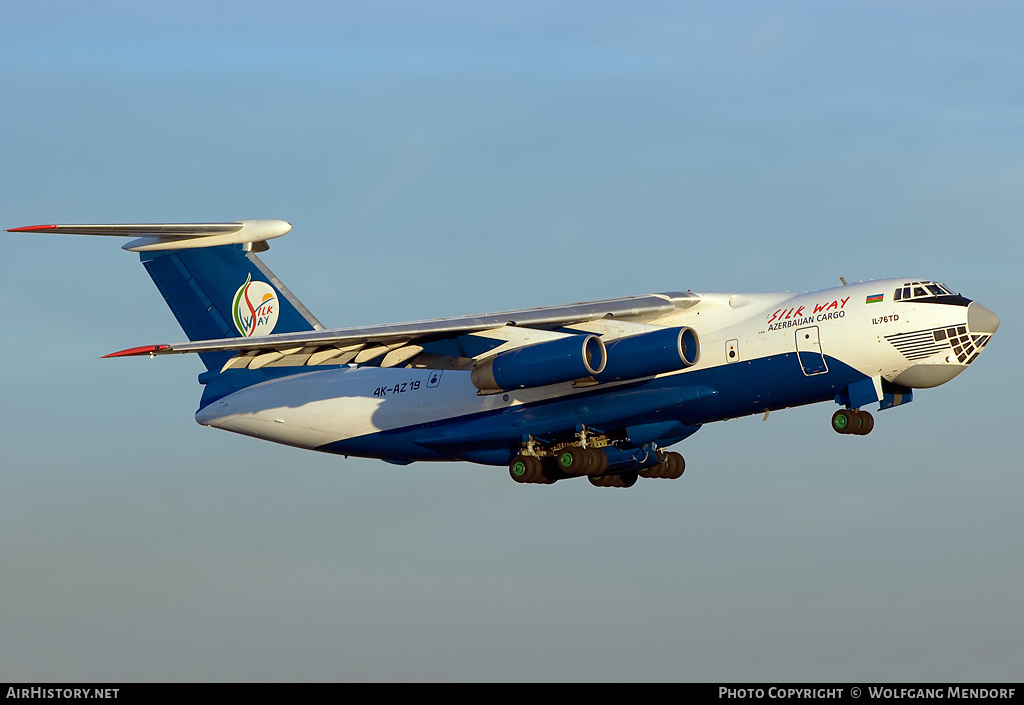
(852, 421)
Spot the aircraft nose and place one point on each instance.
(981, 320)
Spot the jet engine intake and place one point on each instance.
(649, 354)
(540, 364)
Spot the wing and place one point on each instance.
(439, 343)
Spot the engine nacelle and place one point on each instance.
(649, 354)
(549, 362)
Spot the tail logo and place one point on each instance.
(254, 308)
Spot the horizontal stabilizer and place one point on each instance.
(144, 350)
(174, 236)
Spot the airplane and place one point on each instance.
(598, 389)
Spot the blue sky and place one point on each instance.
(466, 157)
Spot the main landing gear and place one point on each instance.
(570, 461)
(538, 464)
(566, 462)
(671, 466)
(852, 421)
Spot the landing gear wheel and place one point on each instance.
(675, 466)
(649, 473)
(598, 461)
(845, 421)
(626, 479)
(670, 467)
(527, 468)
(853, 421)
(574, 461)
(655, 471)
(867, 422)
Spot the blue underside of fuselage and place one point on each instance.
(675, 405)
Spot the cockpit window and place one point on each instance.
(920, 290)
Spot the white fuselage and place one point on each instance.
(859, 328)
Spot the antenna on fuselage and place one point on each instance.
(843, 280)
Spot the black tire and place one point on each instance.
(670, 467)
(527, 469)
(845, 421)
(675, 465)
(598, 461)
(518, 469)
(653, 472)
(537, 472)
(574, 461)
(626, 479)
(867, 422)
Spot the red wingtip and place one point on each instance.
(28, 228)
(144, 350)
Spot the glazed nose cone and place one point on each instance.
(981, 320)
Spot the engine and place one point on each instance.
(648, 354)
(549, 362)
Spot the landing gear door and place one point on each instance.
(808, 351)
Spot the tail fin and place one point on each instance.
(225, 292)
(210, 277)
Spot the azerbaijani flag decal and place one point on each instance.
(254, 308)
(873, 299)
